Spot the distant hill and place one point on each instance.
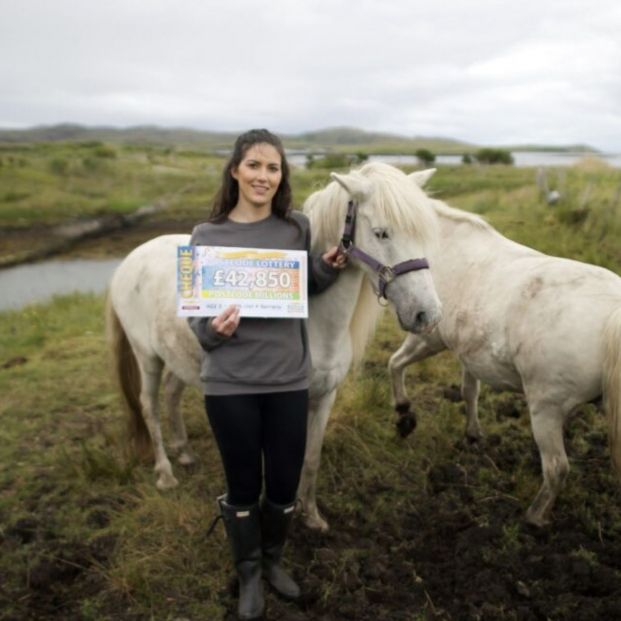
(349, 138)
(342, 139)
(140, 135)
(338, 138)
(570, 148)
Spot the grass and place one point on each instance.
(77, 509)
(63, 461)
(48, 184)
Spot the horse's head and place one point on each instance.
(394, 225)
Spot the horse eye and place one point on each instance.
(381, 233)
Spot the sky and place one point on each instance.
(483, 71)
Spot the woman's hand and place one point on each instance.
(227, 321)
(335, 259)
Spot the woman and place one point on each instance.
(255, 371)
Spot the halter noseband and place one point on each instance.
(385, 273)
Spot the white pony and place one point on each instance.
(394, 223)
(523, 321)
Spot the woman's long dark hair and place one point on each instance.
(228, 194)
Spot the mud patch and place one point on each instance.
(461, 550)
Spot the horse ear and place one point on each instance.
(420, 177)
(354, 184)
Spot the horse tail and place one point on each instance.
(127, 375)
(612, 386)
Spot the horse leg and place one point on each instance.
(470, 387)
(150, 375)
(411, 350)
(547, 424)
(307, 491)
(173, 389)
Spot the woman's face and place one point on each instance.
(258, 174)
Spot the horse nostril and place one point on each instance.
(421, 318)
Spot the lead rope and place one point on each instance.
(347, 239)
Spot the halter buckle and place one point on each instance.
(346, 243)
(386, 273)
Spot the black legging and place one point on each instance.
(249, 427)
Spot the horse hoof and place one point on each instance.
(403, 408)
(406, 424)
(186, 459)
(166, 481)
(474, 440)
(315, 522)
(537, 520)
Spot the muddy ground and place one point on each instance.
(456, 550)
(459, 556)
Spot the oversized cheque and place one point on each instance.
(262, 282)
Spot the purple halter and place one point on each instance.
(385, 273)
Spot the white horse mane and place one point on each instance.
(397, 201)
(458, 215)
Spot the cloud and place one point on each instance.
(479, 70)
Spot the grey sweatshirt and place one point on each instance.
(262, 355)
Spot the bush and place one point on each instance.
(573, 217)
(494, 156)
(12, 197)
(425, 156)
(330, 160)
(105, 152)
(466, 159)
(91, 164)
(59, 166)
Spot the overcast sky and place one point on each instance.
(483, 71)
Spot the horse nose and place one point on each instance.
(421, 322)
(425, 321)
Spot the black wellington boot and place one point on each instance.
(275, 520)
(243, 528)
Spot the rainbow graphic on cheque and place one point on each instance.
(263, 282)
